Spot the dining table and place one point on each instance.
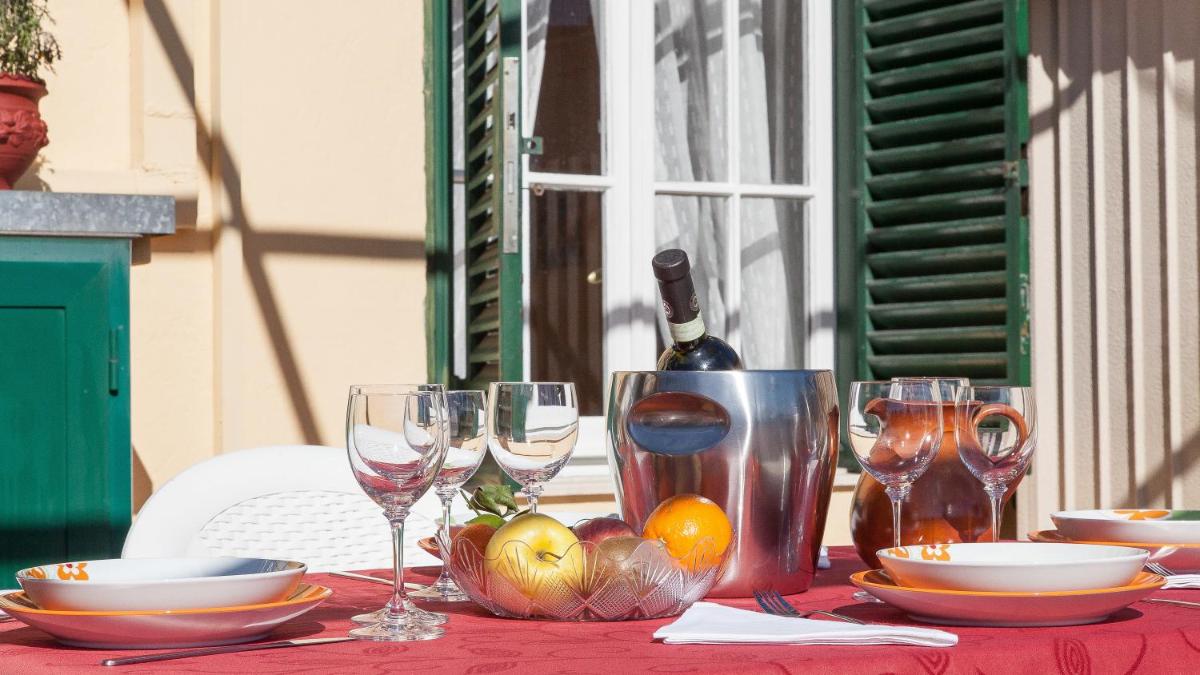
(1145, 637)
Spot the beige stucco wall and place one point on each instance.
(292, 136)
(1114, 255)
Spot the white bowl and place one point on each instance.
(1130, 525)
(1015, 567)
(137, 584)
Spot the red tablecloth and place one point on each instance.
(1146, 637)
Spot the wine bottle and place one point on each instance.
(693, 348)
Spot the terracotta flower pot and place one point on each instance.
(22, 131)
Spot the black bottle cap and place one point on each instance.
(671, 264)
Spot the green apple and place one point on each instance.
(533, 551)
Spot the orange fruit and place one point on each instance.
(478, 535)
(683, 521)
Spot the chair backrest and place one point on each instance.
(291, 502)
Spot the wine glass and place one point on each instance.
(895, 429)
(532, 430)
(996, 431)
(396, 443)
(370, 618)
(467, 441)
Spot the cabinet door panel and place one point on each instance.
(33, 432)
(64, 400)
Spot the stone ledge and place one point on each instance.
(85, 215)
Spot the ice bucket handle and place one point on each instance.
(677, 424)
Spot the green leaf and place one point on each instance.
(487, 519)
(495, 499)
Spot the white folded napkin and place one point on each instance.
(823, 561)
(1183, 581)
(710, 623)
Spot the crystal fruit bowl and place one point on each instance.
(614, 580)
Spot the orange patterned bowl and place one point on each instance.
(1015, 567)
(618, 579)
(145, 584)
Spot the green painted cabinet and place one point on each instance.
(64, 399)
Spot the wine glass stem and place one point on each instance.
(995, 494)
(897, 493)
(532, 490)
(396, 611)
(444, 581)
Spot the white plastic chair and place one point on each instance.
(297, 502)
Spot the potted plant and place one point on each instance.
(25, 48)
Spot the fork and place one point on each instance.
(1159, 569)
(774, 603)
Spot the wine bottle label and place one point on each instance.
(686, 332)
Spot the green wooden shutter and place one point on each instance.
(933, 262)
(493, 197)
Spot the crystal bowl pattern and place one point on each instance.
(584, 584)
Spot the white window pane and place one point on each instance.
(772, 262)
(690, 90)
(771, 65)
(563, 92)
(696, 225)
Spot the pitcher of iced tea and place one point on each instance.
(946, 505)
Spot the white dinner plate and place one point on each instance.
(975, 608)
(1179, 558)
(164, 628)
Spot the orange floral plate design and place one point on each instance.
(980, 608)
(157, 629)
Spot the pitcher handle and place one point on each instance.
(1004, 410)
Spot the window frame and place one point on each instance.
(629, 189)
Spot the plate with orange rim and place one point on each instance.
(1179, 558)
(166, 628)
(999, 609)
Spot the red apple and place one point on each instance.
(597, 530)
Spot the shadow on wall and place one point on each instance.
(1183, 458)
(219, 161)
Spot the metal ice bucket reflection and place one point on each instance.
(761, 444)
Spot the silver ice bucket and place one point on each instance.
(761, 444)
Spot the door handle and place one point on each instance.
(595, 277)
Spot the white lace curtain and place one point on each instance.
(690, 125)
(691, 146)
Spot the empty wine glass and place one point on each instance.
(467, 441)
(895, 429)
(996, 431)
(396, 443)
(370, 618)
(532, 430)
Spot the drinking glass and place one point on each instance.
(996, 431)
(532, 430)
(396, 443)
(467, 441)
(895, 429)
(370, 618)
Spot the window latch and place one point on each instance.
(531, 145)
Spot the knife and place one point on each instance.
(227, 649)
(375, 580)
